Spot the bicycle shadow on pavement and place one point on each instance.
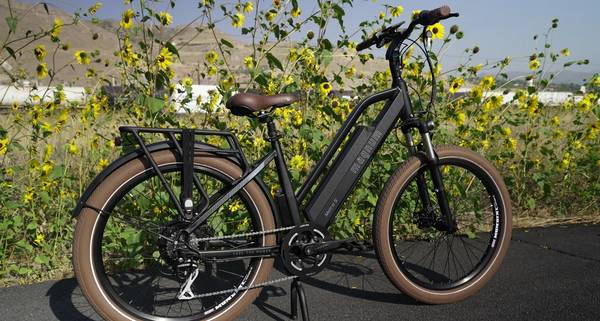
(68, 303)
(357, 276)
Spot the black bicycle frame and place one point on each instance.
(341, 177)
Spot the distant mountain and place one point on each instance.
(565, 77)
(79, 36)
(192, 46)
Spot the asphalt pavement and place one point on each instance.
(549, 274)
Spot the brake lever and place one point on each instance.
(393, 27)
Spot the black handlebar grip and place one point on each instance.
(427, 18)
(366, 44)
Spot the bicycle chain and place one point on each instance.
(233, 236)
(185, 292)
(243, 288)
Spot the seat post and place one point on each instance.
(282, 172)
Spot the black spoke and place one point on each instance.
(426, 252)
(148, 262)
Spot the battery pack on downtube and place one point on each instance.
(350, 164)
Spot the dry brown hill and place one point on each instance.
(79, 36)
(191, 43)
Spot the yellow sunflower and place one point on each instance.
(228, 81)
(437, 31)
(297, 162)
(40, 53)
(237, 20)
(487, 82)
(270, 15)
(56, 28)
(296, 12)
(211, 57)
(415, 14)
(187, 81)
(3, 146)
(248, 6)
(127, 19)
(325, 88)
(212, 70)
(397, 11)
(42, 71)
(164, 59)
(103, 163)
(93, 9)
(82, 57)
(165, 18)
(249, 62)
(72, 148)
(534, 64)
(455, 85)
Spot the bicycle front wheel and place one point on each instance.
(417, 253)
(129, 258)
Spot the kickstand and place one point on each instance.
(297, 294)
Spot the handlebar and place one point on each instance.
(425, 18)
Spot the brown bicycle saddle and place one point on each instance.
(244, 104)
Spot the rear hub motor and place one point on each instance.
(178, 255)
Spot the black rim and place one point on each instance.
(433, 258)
(143, 290)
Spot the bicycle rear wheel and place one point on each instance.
(130, 268)
(417, 253)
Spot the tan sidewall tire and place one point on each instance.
(383, 215)
(87, 219)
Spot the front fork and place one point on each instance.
(448, 220)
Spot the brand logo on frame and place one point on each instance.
(366, 152)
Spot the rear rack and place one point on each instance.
(184, 140)
(171, 134)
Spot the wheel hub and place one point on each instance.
(174, 250)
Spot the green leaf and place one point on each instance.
(274, 62)
(46, 199)
(11, 52)
(226, 43)
(372, 199)
(338, 14)
(12, 24)
(531, 202)
(42, 259)
(23, 271)
(262, 80)
(172, 49)
(32, 226)
(326, 57)
(57, 172)
(24, 245)
(17, 221)
(154, 104)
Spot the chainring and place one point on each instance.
(295, 260)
